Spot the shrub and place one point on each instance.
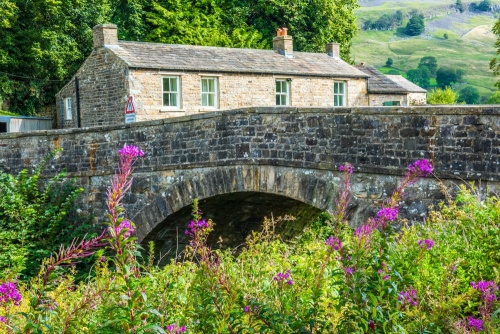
(439, 277)
(442, 96)
(33, 219)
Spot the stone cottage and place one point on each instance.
(391, 90)
(174, 80)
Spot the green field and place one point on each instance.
(470, 43)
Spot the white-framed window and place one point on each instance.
(171, 92)
(339, 94)
(282, 92)
(68, 103)
(209, 95)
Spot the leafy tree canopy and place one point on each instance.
(469, 95)
(494, 98)
(442, 96)
(389, 62)
(416, 25)
(446, 76)
(420, 76)
(431, 63)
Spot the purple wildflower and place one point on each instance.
(3, 319)
(196, 226)
(389, 213)
(477, 324)
(280, 277)
(349, 271)
(386, 277)
(363, 230)
(488, 290)
(131, 151)
(421, 167)
(347, 168)
(103, 259)
(125, 225)
(9, 293)
(246, 309)
(428, 243)
(335, 243)
(174, 329)
(408, 296)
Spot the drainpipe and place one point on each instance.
(78, 117)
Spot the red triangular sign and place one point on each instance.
(130, 105)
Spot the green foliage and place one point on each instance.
(357, 287)
(484, 6)
(420, 76)
(494, 98)
(431, 63)
(469, 95)
(385, 22)
(445, 36)
(442, 96)
(415, 25)
(33, 219)
(389, 62)
(42, 45)
(459, 6)
(446, 76)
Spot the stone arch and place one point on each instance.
(173, 190)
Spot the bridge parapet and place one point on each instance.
(463, 142)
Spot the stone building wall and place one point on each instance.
(417, 99)
(235, 91)
(103, 92)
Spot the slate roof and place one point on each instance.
(379, 83)
(407, 84)
(218, 59)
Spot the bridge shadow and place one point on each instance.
(235, 215)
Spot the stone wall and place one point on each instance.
(235, 91)
(103, 90)
(292, 152)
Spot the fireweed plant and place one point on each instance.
(437, 277)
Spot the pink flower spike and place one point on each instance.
(388, 213)
(131, 151)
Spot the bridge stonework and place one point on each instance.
(290, 152)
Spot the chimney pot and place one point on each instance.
(283, 43)
(105, 34)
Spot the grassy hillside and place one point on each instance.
(470, 43)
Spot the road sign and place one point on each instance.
(130, 110)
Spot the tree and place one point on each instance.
(442, 96)
(484, 6)
(494, 98)
(459, 6)
(420, 76)
(389, 62)
(431, 63)
(415, 26)
(445, 36)
(469, 95)
(42, 46)
(312, 23)
(446, 76)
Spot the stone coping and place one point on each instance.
(441, 110)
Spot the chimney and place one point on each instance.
(283, 43)
(333, 49)
(105, 34)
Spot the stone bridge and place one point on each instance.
(244, 164)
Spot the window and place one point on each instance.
(209, 96)
(171, 92)
(3, 127)
(68, 106)
(282, 92)
(339, 99)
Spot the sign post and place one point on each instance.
(130, 110)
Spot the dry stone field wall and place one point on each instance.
(292, 152)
